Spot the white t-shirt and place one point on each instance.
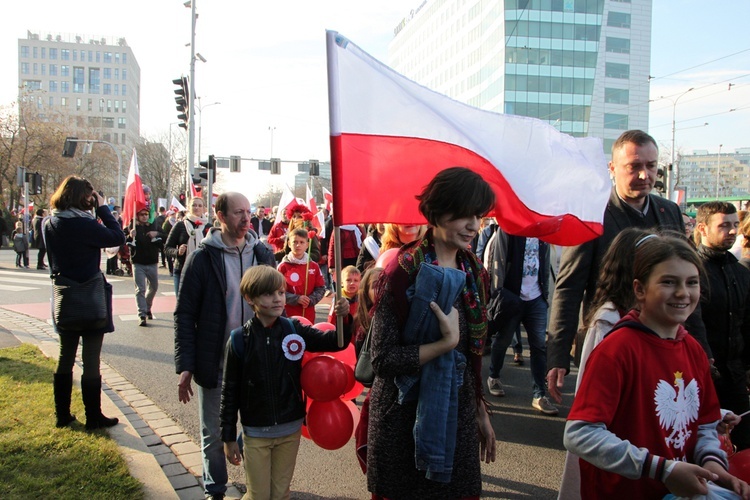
(530, 281)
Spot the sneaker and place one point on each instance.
(150, 316)
(142, 322)
(495, 387)
(543, 405)
(518, 359)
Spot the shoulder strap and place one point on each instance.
(287, 325)
(237, 337)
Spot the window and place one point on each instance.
(108, 122)
(116, 137)
(124, 90)
(44, 69)
(78, 104)
(117, 73)
(117, 89)
(98, 56)
(121, 123)
(618, 45)
(117, 106)
(91, 56)
(53, 85)
(107, 89)
(108, 57)
(79, 86)
(65, 87)
(24, 51)
(32, 84)
(618, 20)
(35, 51)
(124, 60)
(51, 101)
(124, 74)
(90, 105)
(616, 96)
(124, 105)
(64, 70)
(117, 58)
(24, 68)
(44, 52)
(94, 80)
(64, 101)
(52, 53)
(617, 70)
(83, 55)
(107, 137)
(615, 121)
(107, 73)
(109, 106)
(94, 122)
(35, 68)
(53, 70)
(75, 55)
(65, 54)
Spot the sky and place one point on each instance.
(265, 64)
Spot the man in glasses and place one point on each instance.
(145, 257)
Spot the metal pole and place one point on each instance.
(718, 171)
(191, 97)
(672, 177)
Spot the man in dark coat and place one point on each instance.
(723, 314)
(633, 167)
(39, 239)
(209, 307)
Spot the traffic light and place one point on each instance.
(69, 149)
(182, 98)
(234, 163)
(36, 183)
(659, 184)
(314, 168)
(181, 197)
(275, 166)
(210, 166)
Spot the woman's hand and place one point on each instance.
(486, 435)
(448, 326)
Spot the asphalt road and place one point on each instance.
(530, 453)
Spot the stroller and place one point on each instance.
(127, 266)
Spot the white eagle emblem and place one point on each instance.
(677, 409)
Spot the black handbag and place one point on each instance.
(363, 371)
(79, 307)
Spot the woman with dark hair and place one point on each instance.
(427, 353)
(74, 241)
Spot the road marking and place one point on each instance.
(11, 288)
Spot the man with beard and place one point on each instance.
(209, 307)
(723, 314)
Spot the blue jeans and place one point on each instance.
(176, 278)
(533, 315)
(214, 463)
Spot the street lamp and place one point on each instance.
(200, 121)
(271, 128)
(718, 171)
(669, 172)
(169, 171)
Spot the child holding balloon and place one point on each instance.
(262, 382)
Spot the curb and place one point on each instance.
(156, 449)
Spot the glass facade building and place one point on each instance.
(581, 65)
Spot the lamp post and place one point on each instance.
(718, 171)
(670, 176)
(200, 122)
(271, 128)
(169, 167)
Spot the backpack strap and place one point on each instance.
(287, 325)
(237, 337)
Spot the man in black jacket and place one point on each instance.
(209, 307)
(723, 314)
(39, 239)
(633, 168)
(144, 248)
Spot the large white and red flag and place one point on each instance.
(135, 200)
(287, 198)
(390, 136)
(319, 219)
(175, 205)
(328, 196)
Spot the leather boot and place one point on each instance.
(63, 385)
(91, 390)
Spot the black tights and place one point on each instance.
(90, 354)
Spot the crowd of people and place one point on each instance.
(655, 313)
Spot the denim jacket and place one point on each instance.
(436, 387)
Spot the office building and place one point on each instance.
(92, 84)
(581, 65)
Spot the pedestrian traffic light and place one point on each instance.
(210, 169)
(183, 100)
(659, 184)
(36, 183)
(69, 149)
(275, 166)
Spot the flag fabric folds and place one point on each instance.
(390, 136)
(176, 205)
(135, 200)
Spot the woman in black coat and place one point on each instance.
(74, 242)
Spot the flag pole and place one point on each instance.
(307, 275)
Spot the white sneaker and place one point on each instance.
(544, 405)
(495, 387)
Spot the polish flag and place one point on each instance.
(318, 220)
(135, 200)
(390, 136)
(310, 200)
(287, 198)
(329, 199)
(194, 192)
(176, 205)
